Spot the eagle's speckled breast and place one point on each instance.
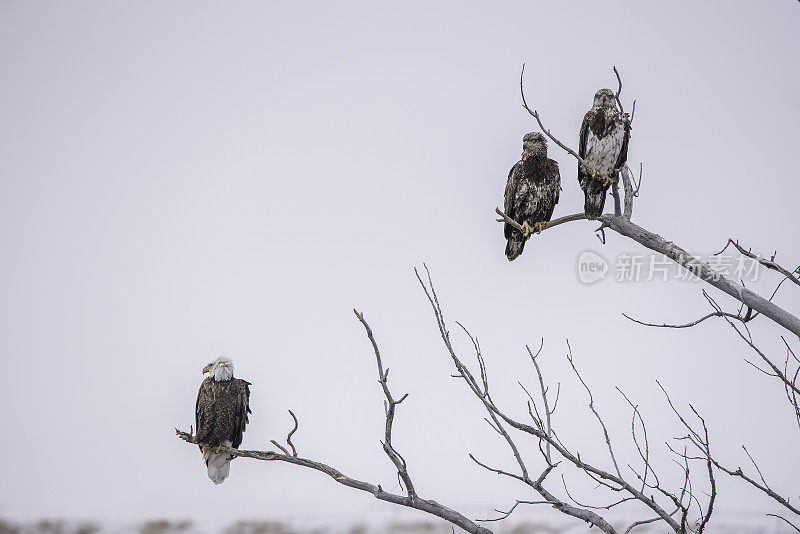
(603, 150)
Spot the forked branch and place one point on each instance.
(542, 431)
(390, 404)
(701, 443)
(768, 263)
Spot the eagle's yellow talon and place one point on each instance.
(607, 181)
(526, 229)
(539, 226)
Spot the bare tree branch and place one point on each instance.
(292, 431)
(777, 370)
(785, 521)
(548, 429)
(640, 523)
(288, 438)
(699, 268)
(506, 513)
(594, 411)
(615, 195)
(535, 115)
(768, 263)
(283, 449)
(761, 487)
(691, 323)
(391, 404)
(430, 506)
(702, 445)
(619, 91)
(644, 455)
(600, 475)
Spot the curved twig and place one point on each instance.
(505, 513)
(616, 96)
(292, 431)
(785, 521)
(689, 324)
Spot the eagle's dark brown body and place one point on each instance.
(221, 411)
(532, 191)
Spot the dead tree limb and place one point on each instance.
(785, 521)
(430, 506)
(700, 441)
(768, 263)
(699, 268)
(610, 479)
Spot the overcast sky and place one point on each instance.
(180, 180)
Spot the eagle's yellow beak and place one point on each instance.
(207, 368)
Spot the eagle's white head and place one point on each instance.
(221, 369)
(604, 98)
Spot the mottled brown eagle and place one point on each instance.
(531, 193)
(603, 145)
(223, 403)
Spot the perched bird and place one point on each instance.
(531, 193)
(223, 403)
(604, 146)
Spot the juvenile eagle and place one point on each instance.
(223, 403)
(531, 192)
(604, 145)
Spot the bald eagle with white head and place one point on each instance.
(603, 144)
(223, 403)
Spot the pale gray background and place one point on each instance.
(181, 180)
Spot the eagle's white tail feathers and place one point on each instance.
(219, 463)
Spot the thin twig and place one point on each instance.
(535, 115)
(689, 324)
(785, 521)
(594, 410)
(768, 263)
(292, 431)
(391, 404)
(619, 80)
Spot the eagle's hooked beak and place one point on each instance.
(207, 368)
